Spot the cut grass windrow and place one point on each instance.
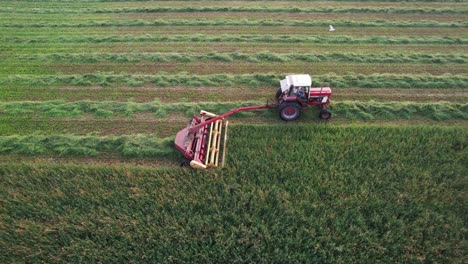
(299, 39)
(246, 80)
(238, 56)
(226, 9)
(341, 109)
(90, 146)
(229, 22)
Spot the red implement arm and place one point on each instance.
(194, 129)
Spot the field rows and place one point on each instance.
(92, 94)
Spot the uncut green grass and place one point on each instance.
(360, 194)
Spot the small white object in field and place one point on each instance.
(331, 28)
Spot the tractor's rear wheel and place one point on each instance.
(290, 111)
(325, 114)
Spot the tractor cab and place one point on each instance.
(296, 86)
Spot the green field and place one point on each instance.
(93, 92)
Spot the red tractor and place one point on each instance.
(296, 93)
(200, 141)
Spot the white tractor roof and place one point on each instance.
(295, 80)
(299, 79)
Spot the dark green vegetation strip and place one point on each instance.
(337, 39)
(342, 109)
(360, 194)
(238, 56)
(252, 9)
(228, 22)
(89, 146)
(249, 80)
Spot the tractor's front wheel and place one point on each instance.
(290, 111)
(325, 114)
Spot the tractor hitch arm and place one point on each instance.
(194, 129)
